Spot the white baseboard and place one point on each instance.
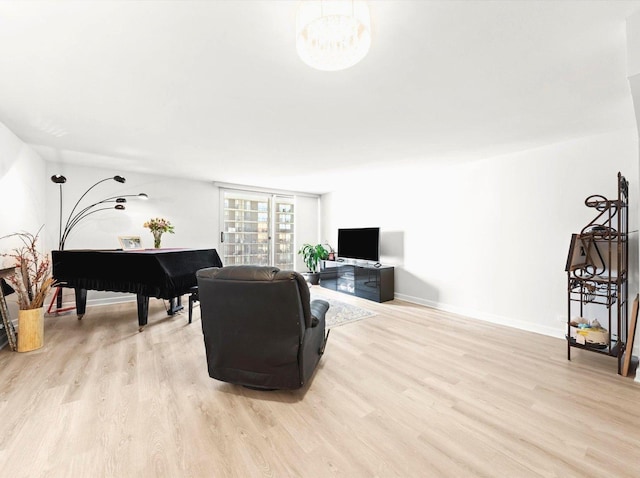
(112, 300)
(494, 319)
(105, 301)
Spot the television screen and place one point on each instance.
(361, 243)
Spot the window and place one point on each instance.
(257, 229)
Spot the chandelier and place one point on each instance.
(333, 34)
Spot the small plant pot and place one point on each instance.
(312, 278)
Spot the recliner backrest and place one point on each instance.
(254, 319)
(264, 273)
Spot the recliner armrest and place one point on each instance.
(318, 310)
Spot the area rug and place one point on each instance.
(340, 313)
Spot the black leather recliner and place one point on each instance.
(260, 328)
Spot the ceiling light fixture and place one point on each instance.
(333, 35)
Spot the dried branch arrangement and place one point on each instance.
(32, 280)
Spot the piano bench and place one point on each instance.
(193, 297)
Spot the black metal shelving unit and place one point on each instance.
(597, 270)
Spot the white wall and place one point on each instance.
(489, 239)
(633, 74)
(22, 188)
(22, 185)
(307, 226)
(633, 44)
(191, 206)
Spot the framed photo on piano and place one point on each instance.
(130, 243)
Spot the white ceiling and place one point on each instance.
(215, 90)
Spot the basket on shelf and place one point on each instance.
(584, 332)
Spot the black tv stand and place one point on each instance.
(372, 282)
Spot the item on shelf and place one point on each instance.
(591, 333)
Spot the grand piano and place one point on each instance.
(162, 273)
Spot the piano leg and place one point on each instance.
(143, 310)
(81, 302)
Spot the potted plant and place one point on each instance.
(312, 255)
(32, 281)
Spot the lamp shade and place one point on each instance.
(333, 34)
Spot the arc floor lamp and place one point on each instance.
(76, 217)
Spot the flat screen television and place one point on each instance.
(361, 243)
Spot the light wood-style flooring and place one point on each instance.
(410, 392)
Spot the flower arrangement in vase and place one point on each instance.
(158, 226)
